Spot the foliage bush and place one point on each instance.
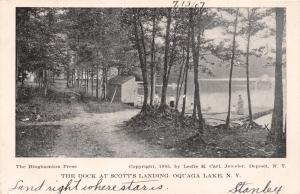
(30, 104)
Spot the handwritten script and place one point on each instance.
(189, 4)
(78, 185)
(244, 187)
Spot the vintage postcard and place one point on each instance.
(149, 97)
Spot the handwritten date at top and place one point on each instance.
(195, 4)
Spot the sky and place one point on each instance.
(218, 34)
(258, 40)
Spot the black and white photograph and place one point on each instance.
(174, 82)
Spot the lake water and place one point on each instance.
(214, 94)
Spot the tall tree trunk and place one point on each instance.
(180, 86)
(81, 78)
(40, 78)
(277, 118)
(145, 77)
(92, 77)
(231, 69)
(104, 83)
(186, 71)
(76, 64)
(68, 76)
(87, 82)
(196, 52)
(184, 91)
(142, 56)
(72, 78)
(97, 83)
(247, 67)
(77, 77)
(67, 69)
(163, 102)
(179, 80)
(50, 16)
(84, 80)
(18, 53)
(172, 56)
(45, 82)
(152, 62)
(74, 85)
(185, 86)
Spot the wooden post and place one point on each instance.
(112, 99)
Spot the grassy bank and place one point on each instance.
(31, 105)
(35, 140)
(94, 106)
(180, 134)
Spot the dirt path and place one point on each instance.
(100, 135)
